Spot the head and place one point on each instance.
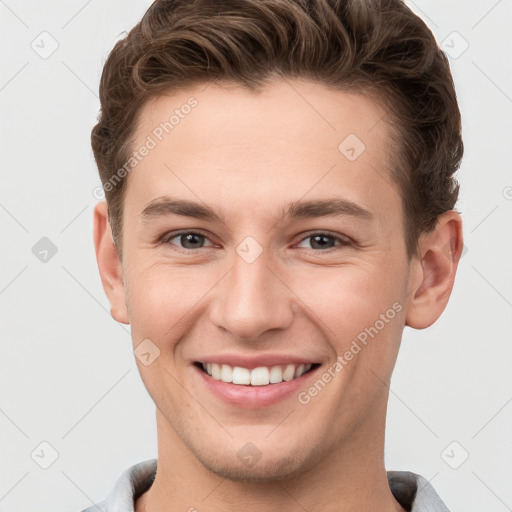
(251, 110)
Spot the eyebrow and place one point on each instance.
(166, 205)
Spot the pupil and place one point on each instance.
(317, 237)
(190, 238)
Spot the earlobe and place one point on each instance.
(109, 265)
(436, 267)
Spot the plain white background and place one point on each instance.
(67, 371)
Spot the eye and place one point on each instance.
(192, 240)
(186, 240)
(325, 241)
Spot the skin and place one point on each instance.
(246, 156)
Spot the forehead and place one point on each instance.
(285, 111)
(226, 144)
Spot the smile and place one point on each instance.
(260, 376)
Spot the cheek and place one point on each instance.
(359, 311)
(344, 298)
(162, 297)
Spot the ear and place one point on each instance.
(109, 264)
(434, 271)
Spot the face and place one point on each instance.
(263, 238)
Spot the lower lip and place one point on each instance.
(253, 397)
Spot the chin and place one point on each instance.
(262, 471)
(249, 464)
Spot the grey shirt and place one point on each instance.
(412, 491)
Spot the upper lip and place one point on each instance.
(255, 361)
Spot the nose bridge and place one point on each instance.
(252, 298)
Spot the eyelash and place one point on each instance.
(343, 241)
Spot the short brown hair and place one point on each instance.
(375, 46)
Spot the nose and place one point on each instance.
(252, 299)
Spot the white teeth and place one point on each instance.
(299, 371)
(289, 372)
(260, 376)
(226, 374)
(216, 371)
(276, 375)
(241, 375)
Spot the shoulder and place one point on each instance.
(414, 492)
(129, 486)
(98, 507)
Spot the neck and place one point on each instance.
(352, 477)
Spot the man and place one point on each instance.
(279, 181)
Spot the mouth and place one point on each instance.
(260, 376)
